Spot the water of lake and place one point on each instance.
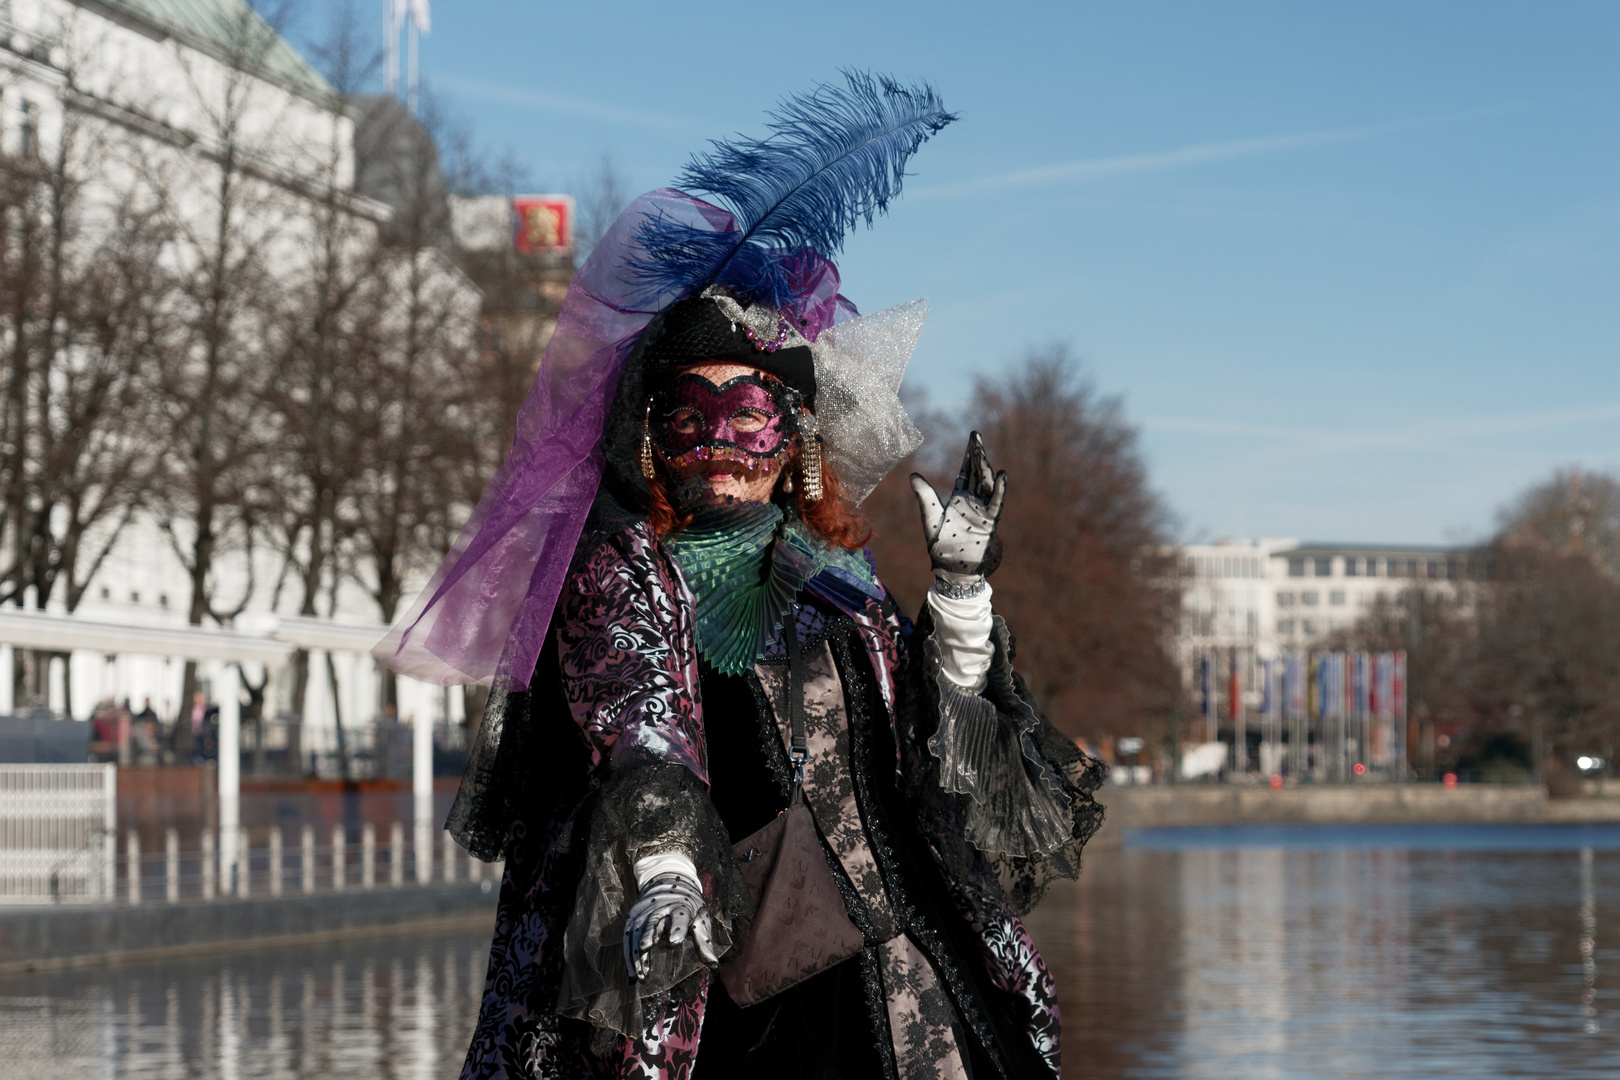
(1213, 953)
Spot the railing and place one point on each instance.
(59, 844)
(271, 863)
(57, 833)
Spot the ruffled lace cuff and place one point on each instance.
(1027, 798)
(646, 809)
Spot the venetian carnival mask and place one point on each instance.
(747, 420)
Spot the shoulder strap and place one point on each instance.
(798, 746)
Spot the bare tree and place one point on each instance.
(1546, 649)
(603, 195)
(419, 408)
(325, 321)
(1523, 660)
(78, 302)
(1088, 582)
(228, 208)
(1575, 512)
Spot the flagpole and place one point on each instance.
(391, 35)
(414, 34)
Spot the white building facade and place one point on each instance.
(1254, 617)
(152, 84)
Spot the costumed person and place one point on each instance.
(755, 822)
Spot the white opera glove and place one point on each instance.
(962, 629)
(964, 550)
(671, 898)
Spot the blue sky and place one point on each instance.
(1353, 267)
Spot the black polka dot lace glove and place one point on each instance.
(961, 532)
(670, 905)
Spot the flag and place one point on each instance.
(420, 17)
(1375, 686)
(1387, 687)
(1398, 697)
(1347, 688)
(1268, 694)
(1361, 685)
(1206, 696)
(1323, 693)
(1294, 680)
(1234, 689)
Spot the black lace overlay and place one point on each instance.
(993, 777)
(528, 761)
(482, 813)
(643, 805)
(904, 877)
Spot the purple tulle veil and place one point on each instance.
(485, 612)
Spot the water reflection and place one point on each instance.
(1346, 962)
(1208, 962)
(373, 1009)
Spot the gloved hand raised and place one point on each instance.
(961, 533)
(673, 901)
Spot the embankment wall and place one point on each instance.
(1224, 804)
(38, 938)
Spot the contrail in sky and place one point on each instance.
(1441, 435)
(1183, 157)
(568, 106)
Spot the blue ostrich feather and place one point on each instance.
(834, 157)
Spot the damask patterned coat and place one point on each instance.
(626, 740)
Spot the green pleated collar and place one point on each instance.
(746, 563)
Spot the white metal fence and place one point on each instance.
(58, 833)
(59, 844)
(272, 863)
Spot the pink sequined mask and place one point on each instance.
(742, 421)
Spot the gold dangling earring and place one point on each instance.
(812, 469)
(787, 480)
(646, 443)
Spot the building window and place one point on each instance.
(1352, 567)
(1310, 598)
(1324, 567)
(1253, 624)
(1296, 567)
(1336, 596)
(134, 597)
(29, 136)
(163, 600)
(1285, 599)
(1285, 626)
(106, 593)
(1308, 626)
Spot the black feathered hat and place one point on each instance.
(714, 326)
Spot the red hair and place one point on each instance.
(829, 517)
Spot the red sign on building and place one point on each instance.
(544, 224)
